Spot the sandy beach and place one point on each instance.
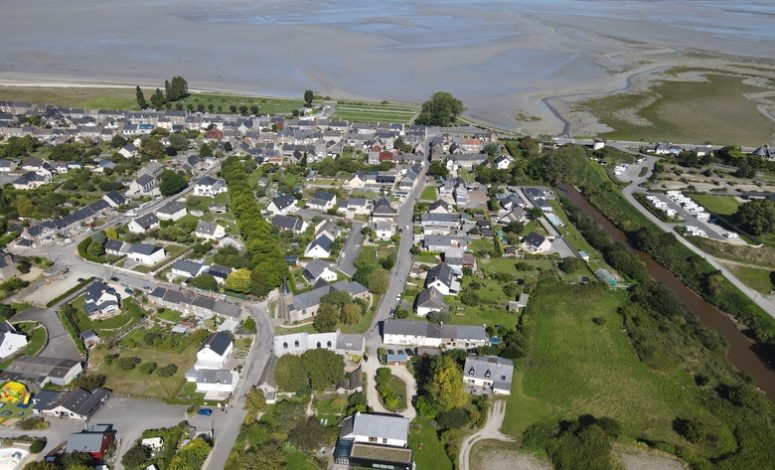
(505, 60)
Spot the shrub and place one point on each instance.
(128, 363)
(33, 422)
(147, 368)
(38, 445)
(136, 456)
(167, 371)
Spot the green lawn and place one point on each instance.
(375, 112)
(130, 313)
(330, 409)
(682, 111)
(575, 366)
(724, 205)
(429, 194)
(755, 278)
(397, 388)
(427, 451)
(266, 105)
(170, 315)
(491, 309)
(89, 98)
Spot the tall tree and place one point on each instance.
(441, 110)
(140, 98)
(757, 217)
(239, 281)
(168, 90)
(446, 384)
(308, 97)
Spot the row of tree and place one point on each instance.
(174, 90)
(315, 370)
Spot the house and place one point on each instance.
(503, 162)
(437, 223)
(420, 333)
(374, 441)
(208, 231)
(764, 152)
(146, 254)
(187, 269)
(114, 199)
(75, 404)
(101, 301)
(192, 303)
(319, 247)
(95, 441)
(535, 243)
(90, 339)
(30, 181)
(282, 205)
(488, 375)
(216, 384)
(209, 187)
(299, 343)
(288, 223)
(128, 151)
(429, 300)
(143, 184)
(220, 273)
(305, 305)
(443, 278)
(11, 341)
(439, 207)
(318, 269)
(356, 181)
(172, 211)
(214, 352)
(41, 370)
(144, 224)
(383, 211)
(355, 206)
(384, 230)
(115, 247)
(7, 166)
(322, 201)
(329, 229)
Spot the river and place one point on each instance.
(740, 348)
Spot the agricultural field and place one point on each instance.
(375, 112)
(76, 97)
(224, 102)
(686, 111)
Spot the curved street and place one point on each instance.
(490, 430)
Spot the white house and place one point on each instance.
(322, 201)
(172, 211)
(101, 300)
(282, 205)
(355, 206)
(376, 429)
(420, 333)
(443, 279)
(384, 230)
(503, 161)
(535, 243)
(187, 268)
(146, 254)
(215, 352)
(318, 269)
(208, 231)
(488, 374)
(209, 187)
(299, 343)
(11, 340)
(144, 224)
(319, 247)
(216, 384)
(429, 300)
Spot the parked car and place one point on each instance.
(204, 411)
(129, 291)
(114, 279)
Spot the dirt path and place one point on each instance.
(490, 430)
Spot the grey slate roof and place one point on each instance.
(430, 298)
(534, 239)
(218, 342)
(494, 368)
(376, 425)
(441, 272)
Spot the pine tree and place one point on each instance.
(168, 90)
(140, 98)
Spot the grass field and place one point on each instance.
(763, 256)
(375, 112)
(89, 98)
(428, 194)
(427, 451)
(755, 278)
(686, 112)
(265, 105)
(330, 409)
(724, 205)
(575, 366)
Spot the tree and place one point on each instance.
(326, 319)
(41, 466)
(378, 282)
(72, 459)
(308, 434)
(147, 368)
(205, 282)
(324, 368)
(117, 141)
(745, 171)
(205, 150)
(757, 217)
(140, 98)
(441, 110)
(693, 430)
(267, 456)
(128, 363)
(446, 384)
(438, 169)
(157, 99)
(308, 97)
(171, 183)
(95, 249)
(136, 456)
(254, 110)
(167, 371)
(153, 148)
(351, 314)
(193, 455)
(239, 281)
(90, 381)
(469, 297)
(289, 373)
(254, 403)
(179, 141)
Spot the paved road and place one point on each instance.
(346, 261)
(404, 260)
(766, 304)
(55, 435)
(60, 345)
(490, 430)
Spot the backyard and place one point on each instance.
(427, 451)
(130, 313)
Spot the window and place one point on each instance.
(318, 344)
(285, 345)
(372, 439)
(328, 344)
(384, 440)
(296, 343)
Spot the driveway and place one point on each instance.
(60, 345)
(490, 430)
(346, 261)
(372, 396)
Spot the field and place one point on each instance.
(427, 451)
(428, 194)
(265, 105)
(755, 278)
(375, 112)
(723, 205)
(88, 98)
(575, 366)
(489, 454)
(763, 256)
(681, 111)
